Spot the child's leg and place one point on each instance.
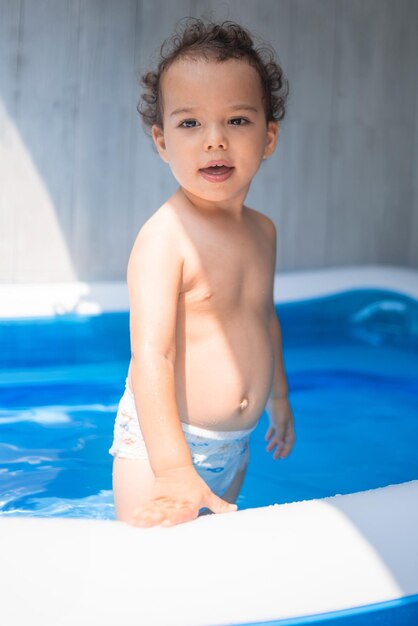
(133, 480)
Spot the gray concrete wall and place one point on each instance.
(78, 176)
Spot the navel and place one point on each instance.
(243, 404)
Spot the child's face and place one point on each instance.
(224, 121)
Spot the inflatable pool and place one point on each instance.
(349, 558)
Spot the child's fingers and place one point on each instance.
(278, 443)
(217, 505)
(279, 451)
(271, 445)
(179, 513)
(180, 517)
(269, 433)
(147, 518)
(283, 440)
(149, 514)
(288, 444)
(167, 513)
(190, 511)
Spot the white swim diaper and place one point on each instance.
(217, 455)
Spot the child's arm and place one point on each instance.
(281, 432)
(154, 281)
(279, 388)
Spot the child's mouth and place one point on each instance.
(216, 173)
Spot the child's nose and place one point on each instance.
(215, 138)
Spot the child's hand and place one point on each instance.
(177, 497)
(281, 430)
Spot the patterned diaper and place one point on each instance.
(217, 455)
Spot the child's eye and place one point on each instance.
(239, 121)
(188, 124)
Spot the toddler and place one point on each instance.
(206, 353)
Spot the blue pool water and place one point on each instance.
(352, 366)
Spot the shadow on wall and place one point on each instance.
(32, 244)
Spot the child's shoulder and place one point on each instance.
(159, 237)
(162, 224)
(162, 218)
(264, 223)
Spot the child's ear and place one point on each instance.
(157, 134)
(271, 139)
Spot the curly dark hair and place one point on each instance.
(219, 41)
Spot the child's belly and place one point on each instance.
(224, 372)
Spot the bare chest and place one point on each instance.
(223, 273)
